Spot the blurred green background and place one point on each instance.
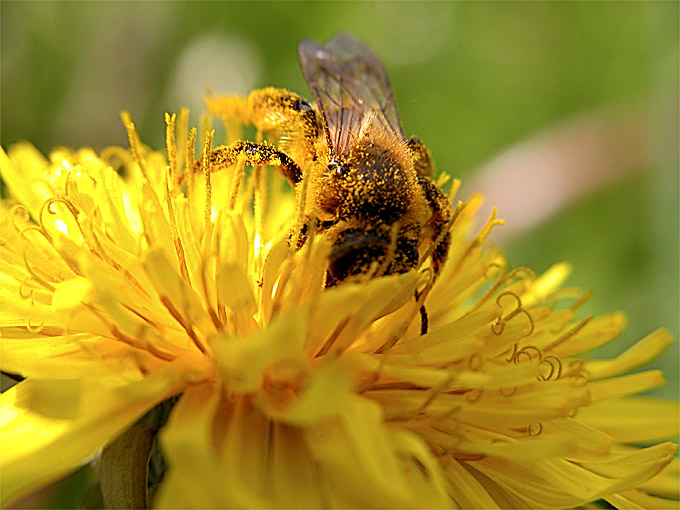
(470, 79)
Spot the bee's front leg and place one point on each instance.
(253, 154)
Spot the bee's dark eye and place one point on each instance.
(301, 105)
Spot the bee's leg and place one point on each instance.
(254, 154)
(422, 161)
(441, 215)
(424, 321)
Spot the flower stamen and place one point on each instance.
(474, 395)
(505, 393)
(190, 155)
(31, 271)
(205, 169)
(170, 145)
(535, 429)
(186, 325)
(326, 347)
(19, 212)
(569, 333)
(24, 285)
(34, 328)
(555, 368)
(136, 147)
(217, 316)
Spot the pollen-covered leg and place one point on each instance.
(441, 215)
(254, 154)
(422, 162)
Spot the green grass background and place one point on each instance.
(470, 79)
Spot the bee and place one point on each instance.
(370, 190)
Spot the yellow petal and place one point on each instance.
(38, 448)
(234, 292)
(243, 360)
(121, 223)
(360, 460)
(639, 354)
(562, 484)
(43, 319)
(182, 301)
(466, 489)
(597, 331)
(424, 474)
(59, 356)
(187, 242)
(451, 342)
(327, 393)
(633, 499)
(362, 304)
(665, 484)
(588, 443)
(625, 385)
(71, 293)
(634, 420)
(194, 478)
(293, 477)
(22, 173)
(156, 226)
(543, 402)
(631, 468)
(542, 286)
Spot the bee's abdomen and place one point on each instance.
(356, 249)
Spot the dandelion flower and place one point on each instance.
(122, 289)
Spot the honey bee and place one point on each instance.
(370, 190)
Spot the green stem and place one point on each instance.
(124, 467)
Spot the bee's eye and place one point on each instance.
(301, 105)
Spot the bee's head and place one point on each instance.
(357, 251)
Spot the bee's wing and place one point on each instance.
(348, 83)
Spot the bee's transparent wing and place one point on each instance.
(349, 83)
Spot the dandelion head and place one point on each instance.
(128, 280)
